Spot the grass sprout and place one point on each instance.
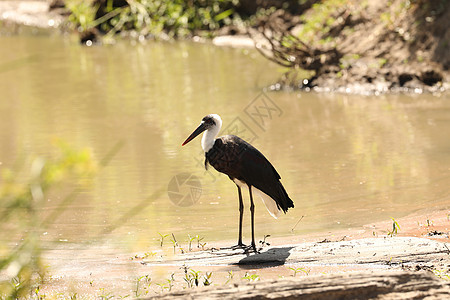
(298, 270)
(395, 228)
(251, 277)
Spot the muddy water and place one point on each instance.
(345, 160)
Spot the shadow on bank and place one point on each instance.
(273, 257)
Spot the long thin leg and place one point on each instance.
(240, 244)
(252, 210)
(241, 216)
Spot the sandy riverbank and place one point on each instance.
(421, 245)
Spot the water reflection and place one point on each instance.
(345, 160)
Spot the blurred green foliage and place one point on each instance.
(22, 221)
(82, 13)
(320, 20)
(176, 18)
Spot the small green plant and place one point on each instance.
(149, 254)
(264, 242)
(395, 228)
(382, 62)
(142, 283)
(105, 295)
(190, 240)
(251, 277)
(229, 276)
(175, 245)
(191, 277)
(144, 256)
(443, 274)
(203, 245)
(170, 281)
(37, 294)
(73, 296)
(167, 286)
(297, 270)
(389, 262)
(163, 286)
(207, 279)
(199, 239)
(161, 238)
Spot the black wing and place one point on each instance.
(238, 159)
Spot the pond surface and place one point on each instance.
(345, 160)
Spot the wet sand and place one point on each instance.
(422, 243)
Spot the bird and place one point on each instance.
(246, 167)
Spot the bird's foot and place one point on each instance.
(251, 248)
(247, 249)
(235, 247)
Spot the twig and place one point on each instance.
(292, 230)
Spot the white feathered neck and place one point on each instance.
(209, 136)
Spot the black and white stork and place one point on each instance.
(245, 166)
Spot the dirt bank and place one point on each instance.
(367, 285)
(363, 260)
(344, 265)
(363, 47)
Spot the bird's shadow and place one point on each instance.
(271, 258)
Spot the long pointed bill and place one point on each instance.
(200, 129)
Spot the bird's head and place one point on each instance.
(209, 122)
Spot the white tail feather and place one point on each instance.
(270, 204)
